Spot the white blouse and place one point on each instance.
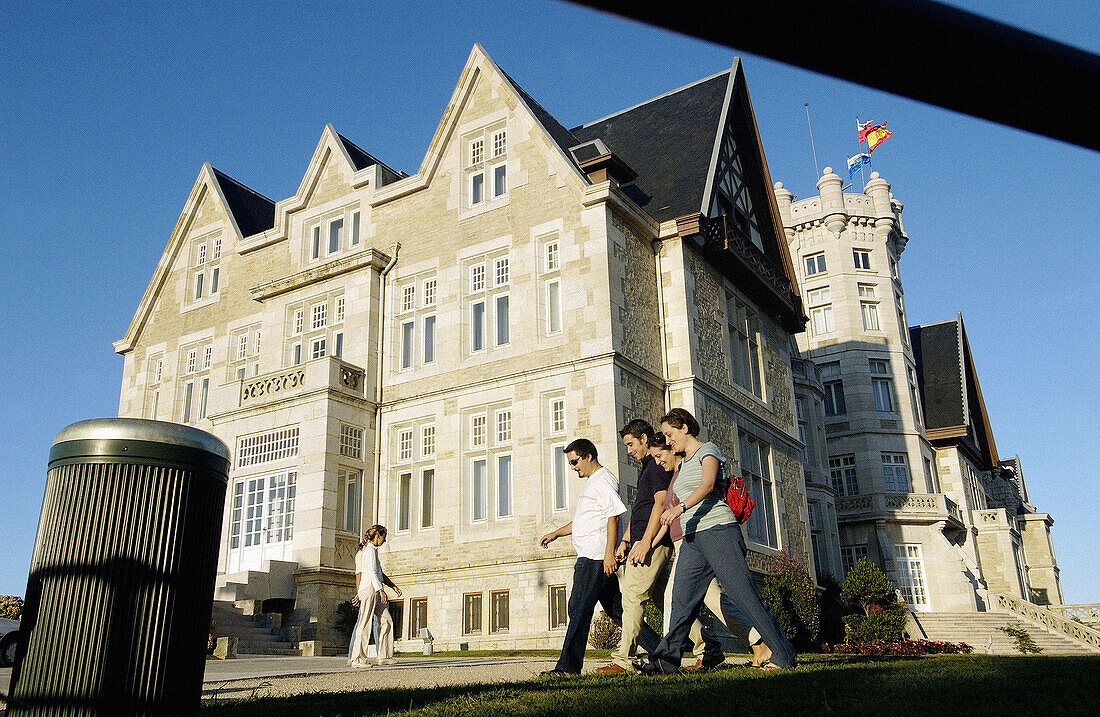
(367, 565)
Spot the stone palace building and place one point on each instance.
(416, 350)
(908, 462)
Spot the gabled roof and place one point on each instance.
(949, 389)
(252, 211)
(361, 159)
(561, 136)
(668, 141)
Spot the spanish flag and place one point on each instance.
(877, 135)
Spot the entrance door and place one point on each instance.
(262, 520)
(909, 565)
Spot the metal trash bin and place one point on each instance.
(121, 584)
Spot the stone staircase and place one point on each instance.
(274, 580)
(256, 634)
(976, 629)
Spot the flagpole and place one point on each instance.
(862, 178)
(817, 170)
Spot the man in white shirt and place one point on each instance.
(595, 531)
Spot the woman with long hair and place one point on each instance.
(712, 547)
(370, 596)
(706, 649)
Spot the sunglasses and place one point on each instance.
(574, 461)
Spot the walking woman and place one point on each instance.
(705, 647)
(370, 596)
(712, 547)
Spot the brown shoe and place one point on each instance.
(692, 667)
(611, 669)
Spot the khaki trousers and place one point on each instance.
(370, 607)
(639, 584)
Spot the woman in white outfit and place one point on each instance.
(370, 596)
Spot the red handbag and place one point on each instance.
(739, 500)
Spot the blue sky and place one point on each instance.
(109, 113)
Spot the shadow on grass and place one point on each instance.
(825, 684)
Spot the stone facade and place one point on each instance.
(417, 350)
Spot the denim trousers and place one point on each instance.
(718, 552)
(591, 585)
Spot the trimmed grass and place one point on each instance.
(823, 684)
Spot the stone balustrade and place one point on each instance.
(1088, 613)
(994, 518)
(325, 373)
(1077, 631)
(923, 506)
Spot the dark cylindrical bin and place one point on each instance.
(122, 578)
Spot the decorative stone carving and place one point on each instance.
(273, 385)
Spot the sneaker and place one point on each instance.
(387, 661)
(612, 669)
(360, 664)
(657, 666)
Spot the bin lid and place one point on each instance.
(142, 429)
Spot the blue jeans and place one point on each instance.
(718, 552)
(591, 585)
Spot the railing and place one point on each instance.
(953, 509)
(1089, 614)
(329, 372)
(1078, 632)
(995, 518)
(717, 233)
(935, 506)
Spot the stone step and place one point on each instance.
(255, 635)
(977, 629)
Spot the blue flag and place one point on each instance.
(856, 162)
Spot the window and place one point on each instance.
(504, 486)
(895, 472)
(894, 270)
(913, 396)
(190, 365)
(500, 180)
(207, 352)
(850, 555)
(909, 568)
(256, 343)
(242, 347)
(931, 480)
(405, 445)
(317, 347)
(236, 509)
(296, 353)
(553, 306)
(755, 465)
(429, 339)
(500, 271)
(299, 321)
(477, 151)
(498, 611)
(339, 309)
(218, 248)
(158, 372)
(478, 169)
(153, 406)
(280, 507)
(318, 316)
(471, 614)
(504, 426)
(834, 398)
(557, 415)
(397, 614)
(188, 390)
(198, 284)
(477, 188)
(270, 446)
(355, 230)
(429, 292)
(315, 250)
(882, 388)
(408, 336)
(478, 490)
(842, 472)
(862, 258)
(351, 441)
(743, 326)
(408, 297)
(418, 616)
(338, 340)
(202, 255)
(503, 333)
(477, 326)
(821, 310)
(427, 441)
(404, 491)
(558, 614)
(902, 324)
(500, 143)
(214, 280)
(254, 511)
(335, 235)
(560, 470)
(204, 393)
(552, 255)
(477, 430)
(477, 277)
(870, 315)
(427, 498)
(815, 264)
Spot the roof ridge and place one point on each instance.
(654, 99)
(377, 161)
(222, 175)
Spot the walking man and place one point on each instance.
(595, 531)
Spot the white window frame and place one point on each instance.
(504, 426)
(318, 316)
(869, 312)
(408, 298)
(405, 445)
(427, 440)
(477, 277)
(404, 501)
(428, 354)
(407, 337)
(318, 347)
(862, 259)
(559, 478)
(427, 498)
(501, 271)
(499, 143)
(299, 321)
(479, 500)
(242, 346)
(496, 179)
(478, 334)
(189, 366)
(207, 354)
(474, 200)
(505, 497)
(429, 291)
(553, 318)
(479, 430)
(843, 474)
(891, 476)
(477, 151)
(356, 221)
(818, 263)
(341, 306)
(557, 416)
(502, 338)
(552, 255)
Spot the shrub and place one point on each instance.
(833, 610)
(878, 627)
(792, 596)
(11, 607)
(346, 616)
(904, 648)
(867, 586)
(604, 634)
(1024, 643)
(654, 617)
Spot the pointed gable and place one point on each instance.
(361, 159)
(954, 409)
(252, 211)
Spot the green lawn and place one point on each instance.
(823, 684)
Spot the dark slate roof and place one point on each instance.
(253, 212)
(361, 159)
(564, 138)
(939, 373)
(668, 141)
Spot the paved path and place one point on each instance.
(277, 676)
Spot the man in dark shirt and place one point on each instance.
(644, 574)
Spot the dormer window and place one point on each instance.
(487, 170)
